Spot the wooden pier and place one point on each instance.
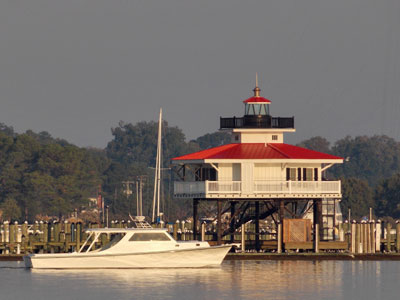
(353, 238)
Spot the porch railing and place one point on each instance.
(294, 187)
(259, 187)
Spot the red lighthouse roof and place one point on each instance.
(257, 100)
(257, 151)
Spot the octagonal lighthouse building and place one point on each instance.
(257, 167)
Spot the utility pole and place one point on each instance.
(128, 190)
(139, 194)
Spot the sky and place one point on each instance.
(76, 68)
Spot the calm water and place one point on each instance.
(234, 280)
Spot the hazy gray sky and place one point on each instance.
(75, 68)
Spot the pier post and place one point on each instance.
(243, 229)
(175, 230)
(364, 236)
(372, 235)
(45, 233)
(353, 237)
(219, 225)
(203, 232)
(316, 238)
(6, 232)
(388, 237)
(78, 236)
(397, 236)
(317, 217)
(358, 238)
(12, 233)
(257, 225)
(346, 230)
(25, 236)
(279, 237)
(195, 206)
(378, 234)
(232, 223)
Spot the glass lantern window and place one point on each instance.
(256, 109)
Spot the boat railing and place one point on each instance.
(140, 222)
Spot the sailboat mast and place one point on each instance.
(156, 195)
(159, 165)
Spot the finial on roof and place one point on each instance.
(256, 90)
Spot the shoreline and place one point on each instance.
(313, 256)
(282, 256)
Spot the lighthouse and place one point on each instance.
(258, 175)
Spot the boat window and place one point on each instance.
(149, 236)
(114, 238)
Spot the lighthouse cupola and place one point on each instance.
(256, 110)
(257, 124)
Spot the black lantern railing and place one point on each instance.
(257, 121)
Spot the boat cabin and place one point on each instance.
(134, 240)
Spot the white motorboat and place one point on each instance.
(133, 248)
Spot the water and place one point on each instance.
(234, 280)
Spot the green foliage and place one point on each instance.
(215, 139)
(45, 176)
(7, 130)
(10, 209)
(370, 158)
(387, 197)
(356, 195)
(317, 143)
(132, 152)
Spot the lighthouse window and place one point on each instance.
(308, 174)
(302, 174)
(291, 174)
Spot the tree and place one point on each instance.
(11, 210)
(356, 195)
(132, 152)
(317, 143)
(370, 158)
(7, 130)
(215, 139)
(387, 197)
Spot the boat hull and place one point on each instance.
(186, 258)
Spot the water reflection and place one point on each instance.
(233, 280)
(244, 279)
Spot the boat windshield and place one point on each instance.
(114, 238)
(149, 236)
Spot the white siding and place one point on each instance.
(261, 137)
(268, 172)
(247, 178)
(225, 172)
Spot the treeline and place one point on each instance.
(41, 175)
(370, 175)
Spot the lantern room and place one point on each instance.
(256, 105)
(257, 115)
